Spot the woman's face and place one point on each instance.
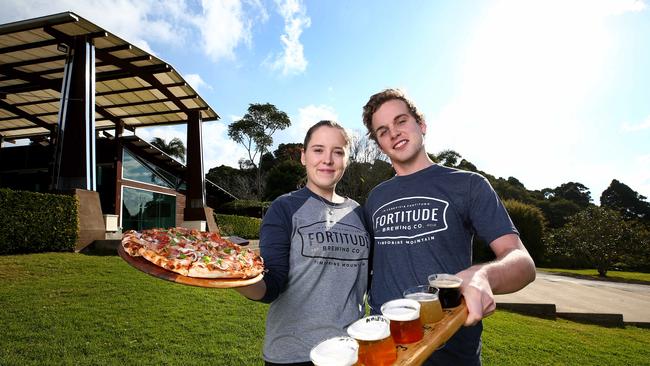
(325, 159)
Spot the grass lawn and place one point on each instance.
(75, 309)
(611, 275)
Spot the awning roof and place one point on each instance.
(131, 85)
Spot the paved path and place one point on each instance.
(572, 295)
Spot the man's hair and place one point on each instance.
(382, 97)
(317, 125)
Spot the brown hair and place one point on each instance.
(377, 100)
(326, 123)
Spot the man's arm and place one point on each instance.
(511, 271)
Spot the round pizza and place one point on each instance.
(193, 253)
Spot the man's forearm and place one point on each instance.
(510, 273)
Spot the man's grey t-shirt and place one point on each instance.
(424, 223)
(318, 272)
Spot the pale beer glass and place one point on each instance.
(427, 296)
(376, 346)
(337, 351)
(404, 316)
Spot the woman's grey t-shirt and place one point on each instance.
(317, 276)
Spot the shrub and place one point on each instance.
(531, 224)
(242, 226)
(37, 222)
(245, 208)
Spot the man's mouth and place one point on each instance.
(400, 144)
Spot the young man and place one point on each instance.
(424, 220)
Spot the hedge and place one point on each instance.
(242, 226)
(37, 222)
(245, 208)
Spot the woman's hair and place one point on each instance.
(382, 97)
(326, 123)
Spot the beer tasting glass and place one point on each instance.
(404, 316)
(376, 346)
(427, 296)
(448, 289)
(337, 351)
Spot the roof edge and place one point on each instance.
(27, 24)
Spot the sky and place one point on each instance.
(548, 91)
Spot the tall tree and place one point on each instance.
(574, 192)
(175, 147)
(255, 130)
(625, 200)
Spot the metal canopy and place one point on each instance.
(133, 88)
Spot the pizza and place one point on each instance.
(193, 253)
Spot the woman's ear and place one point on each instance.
(302, 157)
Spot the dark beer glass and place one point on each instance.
(448, 289)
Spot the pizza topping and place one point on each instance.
(193, 253)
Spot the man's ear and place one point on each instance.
(423, 127)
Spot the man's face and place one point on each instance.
(398, 134)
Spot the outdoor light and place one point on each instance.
(62, 47)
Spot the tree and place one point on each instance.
(574, 192)
(255, 130)
(175, 147)
(596, 235)
(625, 200)
(285, 177)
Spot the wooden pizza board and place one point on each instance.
(435, 335)
(159, 272)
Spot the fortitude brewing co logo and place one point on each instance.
(409, 220)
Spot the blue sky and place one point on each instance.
(545, 91)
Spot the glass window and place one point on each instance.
(136, 169)
(145, 210)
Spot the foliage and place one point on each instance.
(531, 224)
(37, 222)
(596, 235)
(242, 226)
(557, 210)
(175, 147)
(255, 130)
(628, 202)
(573, 192)
(285, 177)
(360, 178)
(240, 183)
(245, 208)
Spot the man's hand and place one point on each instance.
(478, 295)
(511, 271)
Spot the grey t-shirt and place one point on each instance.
(318, 272)
(424, 223)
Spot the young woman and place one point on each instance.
(315, 248)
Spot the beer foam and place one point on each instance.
(444, 280)
(337, 351)
(422, 296)
(401, 309)
(370, 328)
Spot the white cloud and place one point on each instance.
(223, 25)
(292, 59)
(218, 148)
(197, 82)
(628, 127)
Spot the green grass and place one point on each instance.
(514, 339)
(611, 275)
(74, 309)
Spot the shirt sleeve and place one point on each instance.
(488, 216)
(275, 244)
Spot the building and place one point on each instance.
(78, 93)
